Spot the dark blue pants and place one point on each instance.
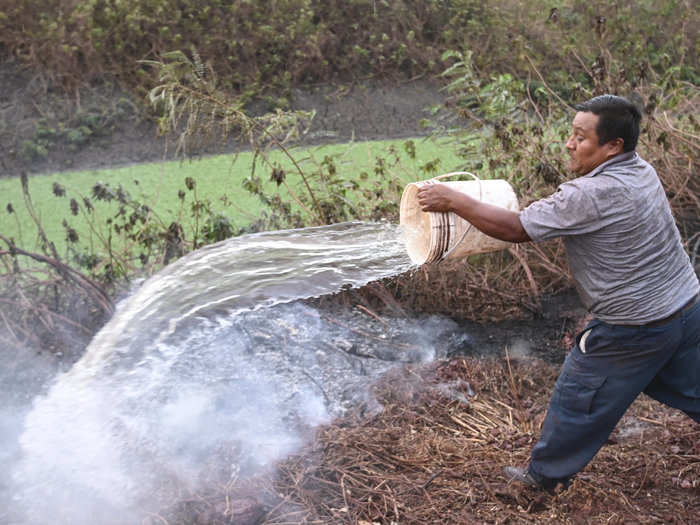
(595, 388)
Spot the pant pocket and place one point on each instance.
(577, 391)
(582, 340)
(583, 335)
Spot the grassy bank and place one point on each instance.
(193, 192)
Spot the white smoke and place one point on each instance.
(519, 349)
(109, 442)
(116, 439)
(156, 408)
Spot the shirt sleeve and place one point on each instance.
(569, 211)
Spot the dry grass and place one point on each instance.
(435, 454)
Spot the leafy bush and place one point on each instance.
(262, 46)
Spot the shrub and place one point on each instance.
(259, 46)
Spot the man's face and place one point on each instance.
(584, 149)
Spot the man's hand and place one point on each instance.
(492, 220)
(437, 197)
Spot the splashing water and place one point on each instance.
(212, 368)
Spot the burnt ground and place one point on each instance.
(435, 454)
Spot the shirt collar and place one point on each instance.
(622, 157)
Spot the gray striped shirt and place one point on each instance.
(623, 246)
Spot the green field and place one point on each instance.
(219, 182)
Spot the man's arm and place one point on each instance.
(495, 221)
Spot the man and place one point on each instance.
(632, 273)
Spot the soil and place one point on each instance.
(31, 115)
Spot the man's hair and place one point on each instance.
(618, 117)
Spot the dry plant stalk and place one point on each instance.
(44, 302)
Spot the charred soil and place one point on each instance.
(435, 454)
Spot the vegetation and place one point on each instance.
(438, 447)
(266, 47)
(512, 69)
(207, 197)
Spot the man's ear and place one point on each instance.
(615, 146)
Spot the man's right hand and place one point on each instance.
(492, 220)
(437, 197)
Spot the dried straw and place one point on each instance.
(435, 454)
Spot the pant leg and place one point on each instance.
(594, 390)
(678, 383)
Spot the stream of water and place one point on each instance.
(211, 368)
